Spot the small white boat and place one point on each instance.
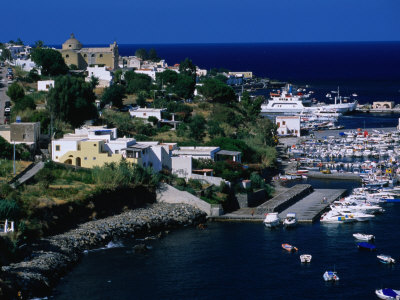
(388, 294)
(386, 259)
(271, 220)
(290, 220)
(305, 258)
(364, 237)
(336, 218)
(330, 276)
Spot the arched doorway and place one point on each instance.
(68, 162)
(78, 162)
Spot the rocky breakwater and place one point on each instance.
(50, 258)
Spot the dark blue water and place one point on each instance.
(372, 70)
(242, 261)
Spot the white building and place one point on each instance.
(196, 152)
(148, 72)
(201, 72)
(105, 76)
(288, 125)
(145, 113)
(26, 64)
(45, 85)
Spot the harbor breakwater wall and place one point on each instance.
(50, 258)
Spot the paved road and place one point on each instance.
(29, 174)
(3, 96)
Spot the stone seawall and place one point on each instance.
(50, 258)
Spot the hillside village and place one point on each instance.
(76, 114)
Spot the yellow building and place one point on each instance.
(91, 153)
(74, 54)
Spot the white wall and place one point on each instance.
(45, 85)
(145, 113)
(150, 73)
(291, 126)
(181, 166)
(105, 77)
(65, 146)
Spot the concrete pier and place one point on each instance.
(300, 199)
(336, 176)
(310, 208)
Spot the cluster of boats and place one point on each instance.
(272, 220)
(362, 205)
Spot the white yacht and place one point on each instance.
(287, 102)
(271, 220)
(336, 218)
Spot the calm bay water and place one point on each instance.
(242, 261)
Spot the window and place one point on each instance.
(56, 157)
(69, 46)
(116, 151)
(94, 145)
(93, 55)
(144, 114)
(84, 55)
(101, 55)
(94, 158)
(279, 124)
(67, 55)
(283, 122)
(85, 158)
(57, 147)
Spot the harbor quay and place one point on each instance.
(302, 199)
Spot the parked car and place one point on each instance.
(7, 104)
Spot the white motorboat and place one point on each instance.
(271, 220)
(359, 216)
(330, 276)
(388, 294)
(386, 259)
(364, 237)
(290, 220)
(336, 218)
(305, 258)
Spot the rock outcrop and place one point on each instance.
(50, 258)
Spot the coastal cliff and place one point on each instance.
(50, 258)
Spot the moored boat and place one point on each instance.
(290, 220)
(366, 246)
(289, 247)
(364, 237)
(386, 259)
(305, 258)
(388, 294)
(330, 276)
(271, 220)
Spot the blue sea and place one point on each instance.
(245, 260)
(242, 261)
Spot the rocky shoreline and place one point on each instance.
(50, 258)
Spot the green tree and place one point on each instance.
(168, 78)
(214, 129)
(19, 42)
(33, 75)
(265, 131)
(252, 108)
(38, 44)
(15, 91)
(217, 91)
(141, 100)
(137, 82)
(184, 86)
(50, 60)
(186, 67)
(197, 127)
(26, 102)
(72, 100)
(153, 55)
(114, 94)
(141, 53)
(117, 76)
(94, 81)
(5, 54)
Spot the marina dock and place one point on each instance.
(308, 204)
(310, 208)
